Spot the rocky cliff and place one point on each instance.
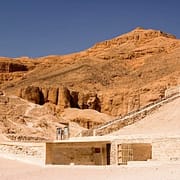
(114, 76)
(11, 69)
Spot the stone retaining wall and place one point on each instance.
(172, 91)
(163, 148)
(129, 119)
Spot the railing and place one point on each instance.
(172, 91)
(133, 116)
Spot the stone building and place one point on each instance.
(120, 150)
(113, 150)
(107, 151)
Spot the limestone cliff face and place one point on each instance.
(113, 104)
(114, 76)
(21, 120)
(61, 96)
(32, 94)
(8, 67)
(12, 69)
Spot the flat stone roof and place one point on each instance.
(81, 141)
(109, 139)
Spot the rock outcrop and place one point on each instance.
(89, 101)
(114, 76)
(24, 121)
(62, 97)
(8, 67)
(32, 94)
(52, 95)
(11, 69)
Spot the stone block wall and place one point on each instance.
(118, 124)
(167, 149)
(113, 154)
(172, 91)
(76, 153)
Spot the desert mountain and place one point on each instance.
(124, 73)
(114, 77)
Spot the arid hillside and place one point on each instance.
(121, 74)
(23, 120)
(113, 77)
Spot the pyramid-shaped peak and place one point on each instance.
(138, 36)
(149, 33)
(139, 28)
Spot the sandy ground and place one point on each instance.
(164, 121)
(15, 170)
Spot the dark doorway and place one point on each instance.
(108, 150)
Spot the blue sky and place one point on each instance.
(45, 27)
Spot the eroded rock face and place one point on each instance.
(32, 94)
(10, 70)
(58, 96)
(120, 104)
(6, 67)
(62, 97)
(52, 95)
(89, 101)
(74, 99)
(45, 92)
(117, 71)
(113, 104)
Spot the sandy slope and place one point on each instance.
(3, 138)
(164, 121)
(13, 170)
